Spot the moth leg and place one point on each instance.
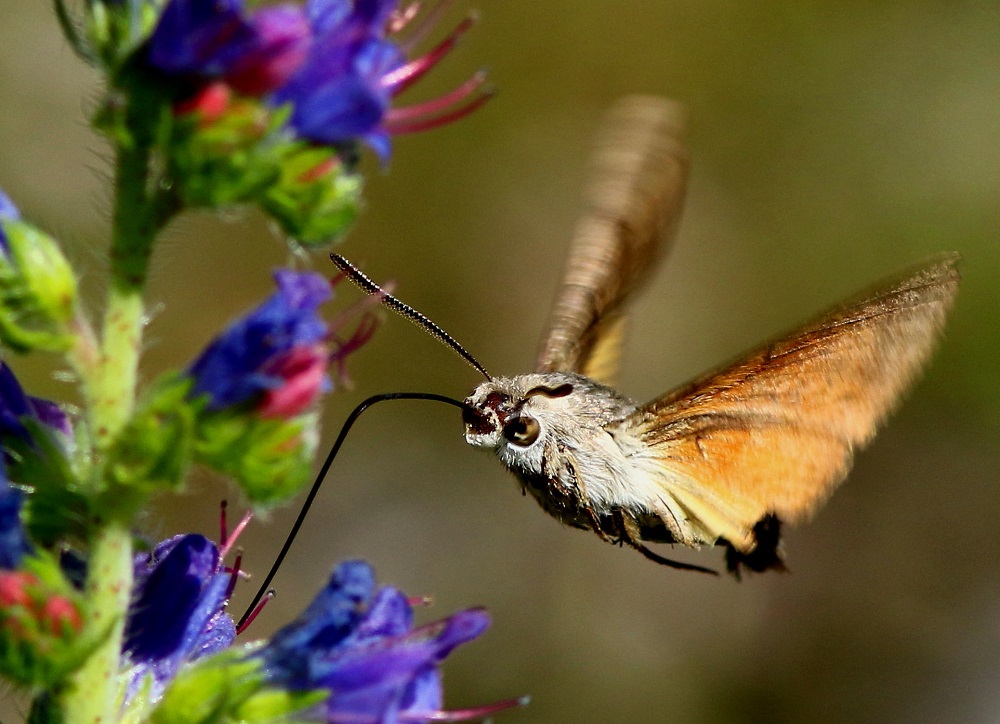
(630, 534)
(678, 526)
(766, 555)
(595, 525)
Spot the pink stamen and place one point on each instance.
(223, 525)
(234, 575)
(237, 531)
(321, 169)
(426, 124)
(420, 601)
(425, 26)
(401, 18)
(436, 105)
(406, 75)
(478, 712)
(356, 308)
(362, 333)
(257, 609)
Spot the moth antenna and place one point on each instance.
(307, 504)
(420, 319)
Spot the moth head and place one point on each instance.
(517, 417)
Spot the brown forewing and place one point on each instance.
(775, 432)
(632, 206)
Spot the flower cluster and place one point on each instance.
(209, 103)
(352, 656)
(270, 104)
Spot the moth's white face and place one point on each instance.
(532, 421)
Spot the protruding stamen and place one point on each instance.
(234, 575)
(400, 18)
(425, 124)
(223, 525)
(425, 26)
(406, 75)
(237, 531)
(436, 105)
(478, 712)
(420, 601)
(253, 614)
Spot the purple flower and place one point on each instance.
(361, 645)
(337, 96)
(275, 356)
(176, 615)
(13, 538)
(16, 405)
(200, 37)
(331, 60)
(282, 38)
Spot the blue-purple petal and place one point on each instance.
(13, 538)
(7, 208)
(364, 650)
(281, 40)
(390, 614)
(174, 601)
(51, 415)
(203, 37)
(16, 406)
(233, 368)
(290, 655)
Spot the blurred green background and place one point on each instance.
(834, 142)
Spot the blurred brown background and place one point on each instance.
(834, 142)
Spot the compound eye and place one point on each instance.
(522, 431)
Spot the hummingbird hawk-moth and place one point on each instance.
(728, 458)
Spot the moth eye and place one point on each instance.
(522, 431)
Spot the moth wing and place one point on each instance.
(603, 360)
(775, 432)
(632, 208)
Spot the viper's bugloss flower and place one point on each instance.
(361, 645)
(336, 63)
(16, 406)
(254, 388)
(275, 356)
(176, 615)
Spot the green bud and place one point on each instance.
(317, 198)
(56, 508)
(230, 687)
(38, 292)
(270, 458)
(154, 449)
(228, 150)
(271, 705)
(224, 150)
(41, 624)
(114, 29)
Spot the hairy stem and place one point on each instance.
(93, 696)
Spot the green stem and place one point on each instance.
(93, 694)
(135, 226)
(93, 697)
